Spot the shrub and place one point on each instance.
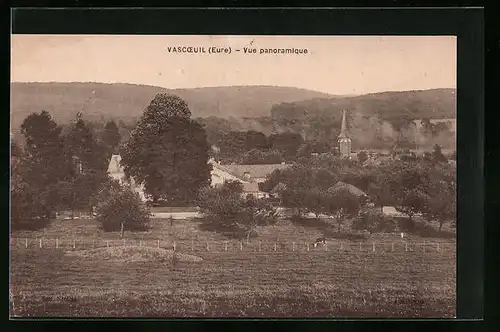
(373, 221)
(225, 209)
(122, 210)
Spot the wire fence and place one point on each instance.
(233, 246)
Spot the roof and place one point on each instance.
(255, 171)
(352, 189)
(250, 187)
(343, 128)
(114, 164)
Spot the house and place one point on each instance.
(117, 172)
(249, 175)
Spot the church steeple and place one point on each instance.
(344, 140)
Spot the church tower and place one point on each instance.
(344, 140)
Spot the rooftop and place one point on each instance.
(254, 171)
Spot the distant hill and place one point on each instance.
(98, 100)
(387, 106)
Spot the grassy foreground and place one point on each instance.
(411, 284)
(247, 283)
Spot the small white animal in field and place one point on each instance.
(320, 240)
(402, 235)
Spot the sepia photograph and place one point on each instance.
(233, 176)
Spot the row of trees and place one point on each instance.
(343, 189)
(425, 186)
(56, 169)
(66, 169)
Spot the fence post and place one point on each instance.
(107, 243)
(360, 248)
(241, 246)
(307, 244)
(208, 247)
(341, 247)
(392, 246)
(93, 243)
(40, 243)
(74, 243)
(259, 246)
(26, 243)
(124, 242)
(192, 244)
(373, 246)
(225, 245)
(57, 243)
(158, 244)
(406, 246)
(275, 247)
(437, 247)
(140, 243)
(293, 246)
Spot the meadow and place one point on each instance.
(264, 278)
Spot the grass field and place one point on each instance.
(285, 283)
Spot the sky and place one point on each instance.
(334, 64)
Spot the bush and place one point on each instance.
(122, 210)
(225, 209)
(373, 221)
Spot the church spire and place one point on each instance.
(343, 128)
(344, 140)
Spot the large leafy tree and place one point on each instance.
(288, 143)
(342, 204)
(90, 161)
(122, 209)
(226, 209)
(45, 148)
(168, 152)
(38, 169)
(82, 144)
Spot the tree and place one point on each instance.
(441, 190)
(111, 136)
(342, 204)
(382, 187)
(314, 201)
(256, 212)
(255, 140)
(85, 149)
(45, 148)
(255, 157)
(222, 206)
(168, 152)
(232, 145)
(122, 210)
(412, 202)
(226, 209)
(437, 155)
(288, 143)
(40, 167)
(362, 156)
(373, 221)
